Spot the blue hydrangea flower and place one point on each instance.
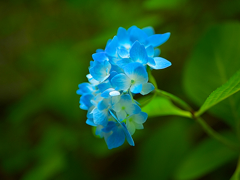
(116, 74)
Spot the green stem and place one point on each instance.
(212, 133)
(175, 99)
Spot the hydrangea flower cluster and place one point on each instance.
(116, 74)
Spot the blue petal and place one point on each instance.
(116, 139)
(121, 115)
(85, 88)
(131, 28)
(109, 127)
(147, 88)
(123, 62)
(128, 135)
(111, 48)
(121, 82)
(110, 92)
(158, 39)
(157, 52)
(148, 30)
(100, 117)
(99, 50)
(90, 122)
(133, 109)
(100, 71)
(136, 72)
(100, 57)
(136, 88)
(104, 104)
(123, 37)
(151, 62)
(150, 51)
(104, 86)
(85, 101)
(123, 52)
(161, 63)
(138, 53)
(125, 100)
(114, 93)
(140, 117)
(137, 34)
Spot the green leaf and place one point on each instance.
(226, 90)
(206, 157)
(161, 106)
(162, 4)
(163, 150)
(236, 175)
(213, 62)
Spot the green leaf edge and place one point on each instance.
(233, 82)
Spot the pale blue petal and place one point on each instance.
(125, 100)
(132, 109)
(157, 52)
(151, 62)
(138, 126)
(100, 71)
(161, 63)
(106, 93)
(104, 86)
(117, 107)
(130, 68)
(103, 104)
(139, 118)
(137, 34)
(148, 30)
(147, 88)
(140, 75)
(85, 88)
(138, 53)
(123, 62)
(85, 101)
(93, 81)
(123, 37)
(115, 99)
(117, 69)
(136, 88)
(100, 117)
(150, 51)
(100, 57)
(121, 115)
(128, 135)
(114, 93)
(130, 126)
(111, 48)
(98, 131)
(158, 39)
(123, 52)
(121, 82)
(90, 122)
(99, 50)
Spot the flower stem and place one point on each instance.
(212, 133)
(175, 99)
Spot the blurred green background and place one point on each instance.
(45, 49)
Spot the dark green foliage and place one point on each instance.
(45, 49)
